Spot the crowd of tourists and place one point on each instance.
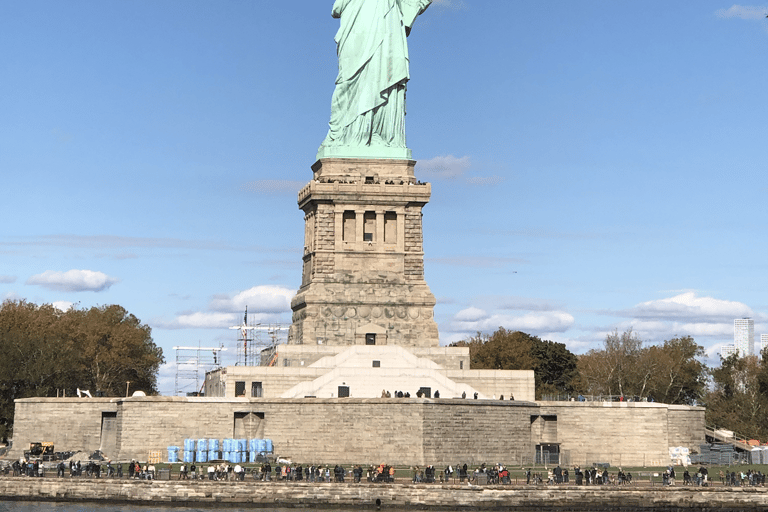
(383, 473)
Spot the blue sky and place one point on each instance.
(595, 165)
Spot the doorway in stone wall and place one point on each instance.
(248, 425)
(108, 444)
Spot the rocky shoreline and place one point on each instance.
(382, 496)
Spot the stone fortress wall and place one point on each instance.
(348, 430)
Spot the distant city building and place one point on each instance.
(744, 336)
(728, 350)
(763, 343)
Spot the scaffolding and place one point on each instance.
(189, 363)
(255, 337)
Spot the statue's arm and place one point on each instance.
(411, 9)
(338, 7)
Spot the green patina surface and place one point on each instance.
(368, 104)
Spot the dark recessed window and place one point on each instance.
(377, 364)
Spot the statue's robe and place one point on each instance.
(368, 104)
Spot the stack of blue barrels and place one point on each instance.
(213, 449)
(257, 446)
(189, 451)
(202, 453)
(227, 448)
(173, 454)
(234, 450)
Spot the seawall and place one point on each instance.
(391, 496)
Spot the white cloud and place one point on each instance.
(443, 167)
(62, 305)
(7, 279)
(266, 304)
(471, 314)
(688, 307)
(534, 323)
(73, 280)
(259, 299)
(745, 12)
(202, 320)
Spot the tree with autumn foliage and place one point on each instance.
(47, 352)
(670, 372)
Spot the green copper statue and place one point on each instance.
(368, 105)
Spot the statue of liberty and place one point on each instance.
(368, 104)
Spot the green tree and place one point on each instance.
(554, 366)
(47, 352)
(738, 401)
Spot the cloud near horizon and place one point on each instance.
(689, 307)
(73, 280)
(475, 319)
(443, 167)
(265, 304)
(259, 299)
(7, 279)
(745, 12)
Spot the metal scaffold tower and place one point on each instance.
(189, 363)
(256, 337)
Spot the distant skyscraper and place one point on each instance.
(763, 342)
(744, 336)
(728, 350)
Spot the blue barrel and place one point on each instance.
(252, 456)
(189, 456)
(261, 445)
(213, 455)
(213, 445)
(189, 445)
(202, 456)
(202, 445)
(268, 445)
(173, 456)
(228, 443)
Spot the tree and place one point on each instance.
(670, 372)
(47, 351)
(554, 366)
(678, 376)
(737, 401)
(609, 371)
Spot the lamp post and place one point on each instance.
(127, 385)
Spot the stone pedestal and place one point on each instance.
(363, 265)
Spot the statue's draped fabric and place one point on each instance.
(368, 105)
